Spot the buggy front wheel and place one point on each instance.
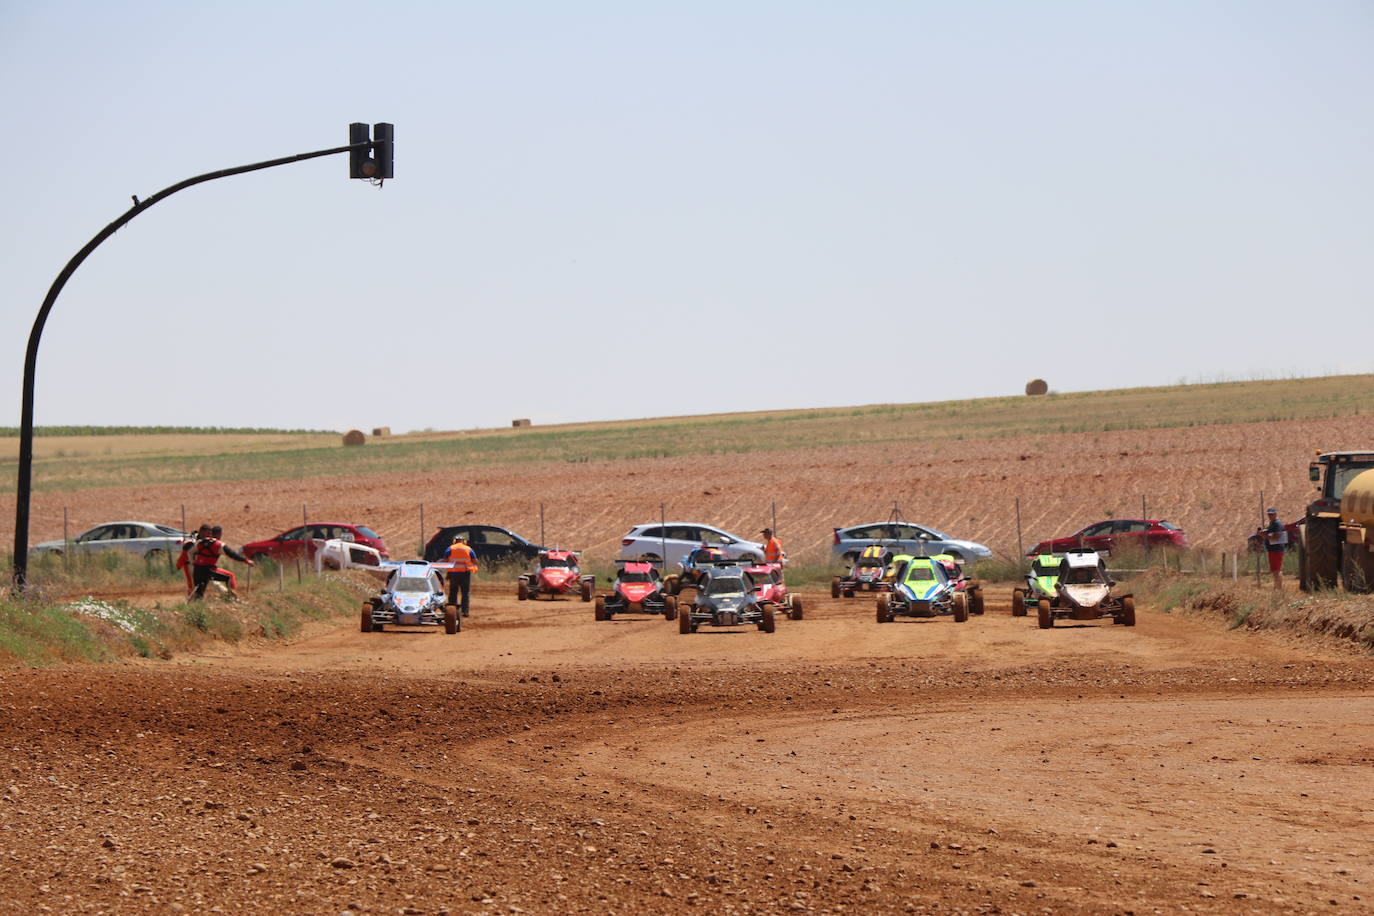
(684, 620)
(835, 587)
(1127, 617)
(796, 612)
(769, 623)
(522, 590)
(960, 607)
(884, 609)
(601, 608)
(586, 591)
(451, 623)
(1043, 615)
(1018, 603)
(366, 620)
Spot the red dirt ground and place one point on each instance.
(1206, 479)
(542, 762)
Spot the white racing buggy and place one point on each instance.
(1084, 592)
(412, 597)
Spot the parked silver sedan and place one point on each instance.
(143, 538)
(903, 537)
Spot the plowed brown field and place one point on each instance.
(1207, 479)
(541, 762)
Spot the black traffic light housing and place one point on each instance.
(377, 159)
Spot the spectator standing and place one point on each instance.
(1275, 544)
(772, 547)
(460, 576)
(205, 561)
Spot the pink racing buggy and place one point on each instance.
(771, 589)
(636, 587)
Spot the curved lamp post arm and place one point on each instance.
(21, 509)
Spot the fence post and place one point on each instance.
(66, 543)
(421, 551)
(1020, 545)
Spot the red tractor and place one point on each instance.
(557, 574)
(636, 588)
(771, 589)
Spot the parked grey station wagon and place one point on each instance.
(903, 537)
(143, 538)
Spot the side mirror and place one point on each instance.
(1314, 473)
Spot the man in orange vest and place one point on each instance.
(772, 547)
(205, 561)
(460, 576)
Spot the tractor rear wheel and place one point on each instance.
(884, 603)
(1046, 619)
(586, 591)
(769, 623)
(670, 607)
(366, 619)
(684, 620)
(1322, 545)
(960, 607)
(796, 608)
(1018, 603)
(451, 620)
(1127, 617)
(835, 587)
(522, 590)
(1357, 569)
(601, 608)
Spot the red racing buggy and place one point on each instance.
(771, 589)
(636, 588)
(866, 575)
(557, 574)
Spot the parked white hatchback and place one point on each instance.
(675, 539)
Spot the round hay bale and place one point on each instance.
(1037, 386)
(354, 437)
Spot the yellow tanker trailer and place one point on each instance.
(1357, 529)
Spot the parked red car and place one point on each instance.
(1118, 534)
(293, 543)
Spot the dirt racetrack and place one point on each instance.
(541, 762)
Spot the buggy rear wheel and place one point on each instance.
(848, 593)
(1127, 617)
(1018, 603)
(586, 591)
(669, 607)
(1043, 615)
(975, 601)
(835, 587)
(960, 607)
(366, 620)
(884, 612)
(451, 624)
(522, 590)
(769, 623)
(601, 608)
(684, 620)
(796, 611)
(672, 585)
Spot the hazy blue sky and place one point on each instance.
(608, 210)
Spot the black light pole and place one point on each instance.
(368, 159)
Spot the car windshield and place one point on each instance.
(1044, 569)
(170, 531)
(560, 562)
(921, 574)
(727, 585)
(411, 584)
(368, 532)
(635, 577)
(1079, 575)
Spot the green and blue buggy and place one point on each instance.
(1042, 582)
(921, 587)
